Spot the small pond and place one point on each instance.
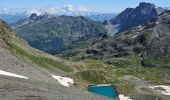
(105, 90)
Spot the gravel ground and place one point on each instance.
(140, 94)
(21, 89)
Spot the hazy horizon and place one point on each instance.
(109, 6)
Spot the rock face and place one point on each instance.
(33, 16)
(6, 33)
(132, 17)
(51, 34)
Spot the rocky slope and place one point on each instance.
(132, 17)
(149, 41)
(19, 58)
(52, 34)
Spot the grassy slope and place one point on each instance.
(92, 71)
(28, 54)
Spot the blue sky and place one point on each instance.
(98, 5)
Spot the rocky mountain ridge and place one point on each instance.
(132, 17)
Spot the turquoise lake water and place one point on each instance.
(108, 91)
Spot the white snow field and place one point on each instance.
(162, 88)
(65, 81)
(123, 97)
(12, 74)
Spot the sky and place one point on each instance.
(96, 5)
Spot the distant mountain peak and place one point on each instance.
(33, 16)
(145, 4)
(127, 10)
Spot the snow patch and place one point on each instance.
(161, 88)
(123, 97)
(12, 74)
(104, 85)
(140, 27)
(135, 36)
(65, 81)
(157, 23)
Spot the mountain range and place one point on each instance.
(53, 33)
(29, 28)
(101, 17)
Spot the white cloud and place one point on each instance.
(83, 9)
(37, 11)
(69, 7)
(66, 9)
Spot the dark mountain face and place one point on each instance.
(33, 16)
(52, 34)
(132, 17)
